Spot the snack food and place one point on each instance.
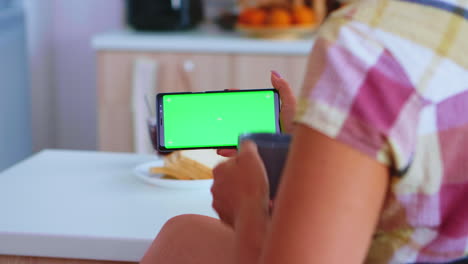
(189, 164)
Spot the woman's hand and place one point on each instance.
(240, 183)
(288, 108)
(288, 102)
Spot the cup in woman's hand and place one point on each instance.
(273, 150)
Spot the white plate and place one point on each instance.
(142, 172)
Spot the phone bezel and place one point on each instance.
(160, 116)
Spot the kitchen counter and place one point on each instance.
(205, 39)
(87, 205)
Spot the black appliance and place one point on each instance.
(162, 15)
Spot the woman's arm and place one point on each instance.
(328, 203)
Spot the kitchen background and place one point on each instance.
(57, 65)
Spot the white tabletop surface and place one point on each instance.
(205, 39)
(89, 205)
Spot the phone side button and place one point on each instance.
(214, 91)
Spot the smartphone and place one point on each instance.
(214, 119)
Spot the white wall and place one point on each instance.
(63, 68)
(75, 22)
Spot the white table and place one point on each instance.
(86, 205)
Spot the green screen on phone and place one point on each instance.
(215, 119)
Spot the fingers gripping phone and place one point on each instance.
(214, 119)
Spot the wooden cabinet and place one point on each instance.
(177, 72)
(253, 72)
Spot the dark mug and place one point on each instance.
(273, 150)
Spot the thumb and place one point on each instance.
(247, 147)
(248, 153)
(284, 89)
(256, 176)
(288, 102)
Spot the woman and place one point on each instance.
(377, 167)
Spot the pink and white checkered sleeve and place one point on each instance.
(357, 93)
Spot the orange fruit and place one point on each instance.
(253, 17)
(303, 15)
(244, 16)
(279, 17)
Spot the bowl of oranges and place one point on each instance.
(277, 21)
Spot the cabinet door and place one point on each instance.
(200, 72)
(185, 72)
(253, 71)
(114, 81)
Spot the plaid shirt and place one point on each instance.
(390, 79)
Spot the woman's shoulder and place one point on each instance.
(417, 34)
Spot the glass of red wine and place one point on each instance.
(152, 125)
